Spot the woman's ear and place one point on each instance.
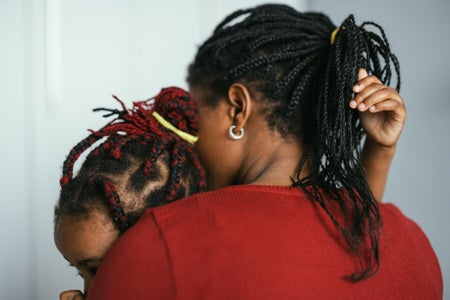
(241, 104)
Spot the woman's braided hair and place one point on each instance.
(306, 80)
(135, 162)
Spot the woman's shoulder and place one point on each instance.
(392, 213)
(398, 228)
(402, 239)
(232, 196)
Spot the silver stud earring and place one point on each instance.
(234, 136)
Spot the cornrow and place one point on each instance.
(112, 199)
(306, 82)
(139, 163)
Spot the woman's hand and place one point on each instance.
(382, 110)
(71, 295)
(383, 115)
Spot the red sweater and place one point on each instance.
(260, 242)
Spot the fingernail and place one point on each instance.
(363, 73)
(353, 104)
(356, 88)
(362, 106)
(372, 108)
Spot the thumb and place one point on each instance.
(71, 295)
(362, 74)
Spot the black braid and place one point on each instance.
(306, 84)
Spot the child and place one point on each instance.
(143, 158)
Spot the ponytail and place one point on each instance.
(335, 152)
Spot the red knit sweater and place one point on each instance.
(260, 242)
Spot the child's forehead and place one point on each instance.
(85, 238)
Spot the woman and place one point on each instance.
(85, 226)
(86, 221)
(285, 101)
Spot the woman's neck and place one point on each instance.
(270, 160)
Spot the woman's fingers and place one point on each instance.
(360, 100)
(362, 73)
(387, 105)
(374, 95)
(371, 92)
(364, 82)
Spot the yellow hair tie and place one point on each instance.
(333, 35)
(184, 135)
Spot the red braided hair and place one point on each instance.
(112, 199)
(135, 135)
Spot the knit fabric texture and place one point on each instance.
(261, 242)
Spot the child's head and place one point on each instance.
(143, 158)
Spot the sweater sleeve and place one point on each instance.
(136, 267)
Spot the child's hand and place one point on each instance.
(71, 295)
(382, 110)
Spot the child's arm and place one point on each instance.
(383, 114)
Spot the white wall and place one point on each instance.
(58, 60)
(419, 179)
(13, 162)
